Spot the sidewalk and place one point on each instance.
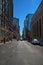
(9, 42)
(6, 42)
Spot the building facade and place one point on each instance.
(16, 28)
(37, 23)
(27, 26)
(6, 15)
(28, 19)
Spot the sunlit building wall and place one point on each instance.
(6, 15)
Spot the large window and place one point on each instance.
(6, 0)
(0, 12)
(0, 32)
(0, 22)
(37, 28)
(0, 5)
(3, 9)
(42, 19)
(40, 26)
(0, 8)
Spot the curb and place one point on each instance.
(6, 43)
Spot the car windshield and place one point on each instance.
(35, 40)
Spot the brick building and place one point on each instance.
(37, 23)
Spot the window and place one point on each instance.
(37, 28)
(0, 8)
(0, 32)
(5, 26)
(40, 26)
(0, 12)
(42, 19)
(3, 9)
(0, 5)
(6, 0)
(0, 22)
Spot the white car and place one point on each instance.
(35, 41)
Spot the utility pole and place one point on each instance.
(4, 25)
(3, 15)
(4, 29)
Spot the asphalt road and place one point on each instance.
(21, 53)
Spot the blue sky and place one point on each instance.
(23, 7)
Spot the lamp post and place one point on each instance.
(4, 24)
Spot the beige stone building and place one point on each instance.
(6, 15)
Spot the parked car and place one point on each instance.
(35, 41)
